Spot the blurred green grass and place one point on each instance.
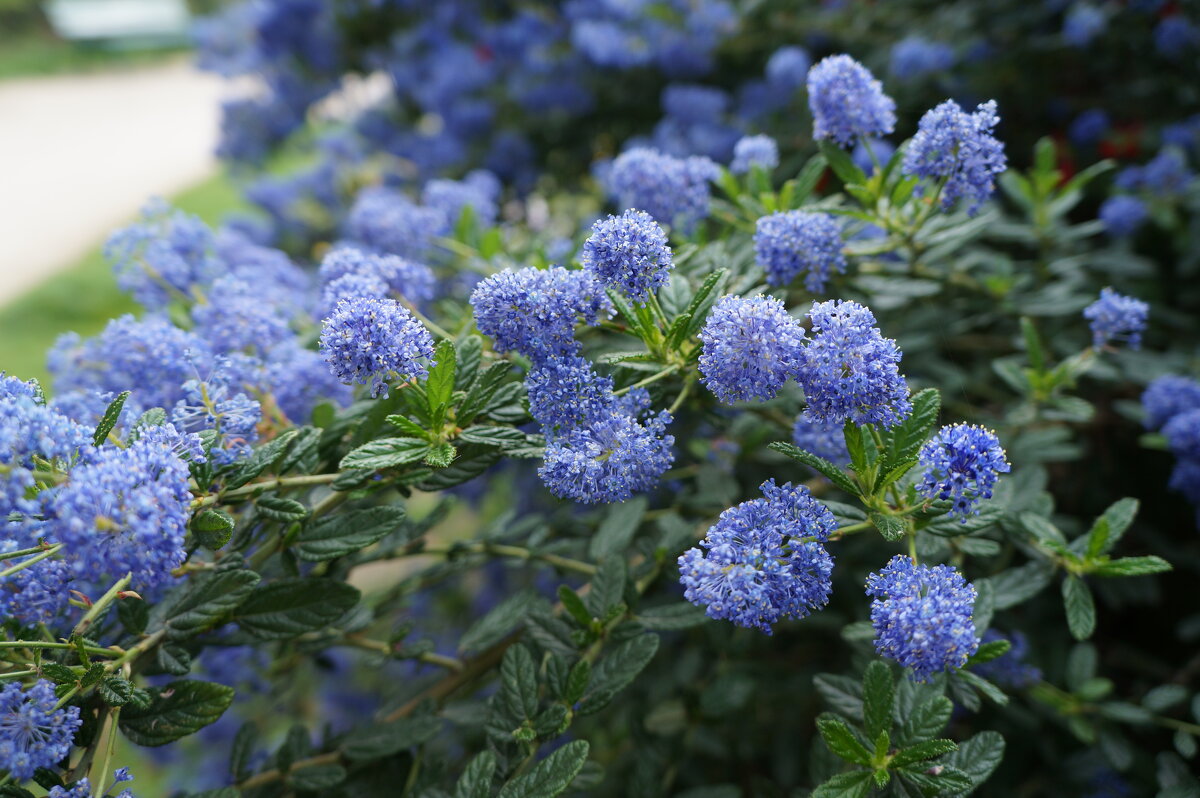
(84, 296)
(38, 53)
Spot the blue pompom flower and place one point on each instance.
(1010, 668)
(33, 734)
(790, 242)
(850, 371)
(751, 347)
(959, 147)
(1168, 396)
(369, 340)
(566, 393)
(1116, 317)
(629, 253)
(922, 616)
(763, 560)
(823, 438)
(673, 190)
(962, 463)
(1123, 215)
(847, 102)
(750, 151)
(534, 311)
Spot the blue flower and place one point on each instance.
(1168, 396)
(1175, 35)
(629, 253)
(787, 68)
(299, 379)
(750, 348)
(1183, 434)
(694, 103)
(351, 286)
(915, 57)
(534, 311)
(922, 616)
(849, 370)
(763, 560)
(750, 151)
(412, 280)
(1009, 669)
(566, 393)
(388, 221)
(237, 317)
(35, 594)
(673, 190)
(822, 438)
(1090, 126)
(612, 457)
(790, 242)
(369, 340)
(83, 789)
(216, 404)
(962, 463)
(452, 197)
(959, 148)
(33, 734)
(1123, 215)
(164, 257)
(847, 102)
(33, 435)
(1115, 317)
(1167, 173)
(1083, 23)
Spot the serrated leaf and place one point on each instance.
(905, 440)
(574, 606)
(440, 455)
(608, 586)
(1115, 521)
(550, 777)
(115, 691)
(504, 437)
(386, 453)
(439, 386)
(1081, 610)
(978, 757)
(60, 674)
(479, 399)
(891, 527)
(834, 474)
(619, 666)
(843, 694)
(922, 751)
(497, 623)
(476, 780)
(988, 652)
(841, 740)
(316, 777)
(672, 616)
(279, 508)
(291, 607)
(518, 681)
(1133, 566)
(175, 711)
(409, 426)
(927, 719)
(109, 420)
(690, 320)
(261, 459)
(618, 528)
(878, 698)
(855, 784)
(212, 528)
(207, 600)
(1018, 585)
(338, 535)
(385, 739)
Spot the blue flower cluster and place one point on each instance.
(83, 788)
(751, 347)
(388, 221)
(1116, 317)
(751, 151)
(673, 190)
(33, 734)
(922, 616)
(1010, 668)
(763, 561)
(789, 243)
(534, 311)
(1172, 404)
(961, 465)
(915, 57)
(847, 102)
(163, 258)
(959, 148)
(629, 253)
(406, 278)
(850, 371)
(823, 438)
(369, 340)
(1123, 215)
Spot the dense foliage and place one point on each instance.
(851, 454)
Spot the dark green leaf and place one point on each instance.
(440, 455)
(1111, 526)
(550, 777)
(518, 681)
(1018, 585)
(409, 426)
(504, 437)
(1081, 610)
(687, 323)
(978, 757)
(174, 660)
(841, 740)
(878, 698)
(212, 528)
(841, 164)
(618, 667)
(617, 529)
(498, 622)
(479, 399)
(922, 751)
(842, 693)
(672, 616)
(278, 508)
(470, 355)
(384, 740)
(927, 719)
(905, 440)
(177, 710)
(577, 681)
(291, 607)
(206, 601)
(988, 652)
(439, 386)
(316, 777)
(262, 458)
(338, 535)
(855, 784)
(608, 585)
(115, 691)
(891, 527)
(386, 453)
(835, 475)
(109, 420)
(476, 780)
(1133, 566)
(574, 606)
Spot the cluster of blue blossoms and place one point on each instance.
(1116, 317)
(33, 733)
(629, 253)
(962, 463)
(1172, 405)
(958, 148)
(790, 243)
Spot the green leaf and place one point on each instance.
(518, 681)
(291, 607)
(1018, 585)
(278, 508)
(618, 667)
(386, 453)
(1132, 566)
(206, 601)
(177, 710)
(687, 323)
(989, 690)
(1081, 611)
(385, 739)
(60, 674)
(617, 529)
(841, 740)
(891, 527)
(316, 777)
(632, 319)
(483, 391)
(855, 784)
(806, 180)
(948, 781)
(409, 426)
(440, 455)
(1110, 526)
(439, 386)
(212, 528)
(470, 355)
(574, 606)
(904, 441)
(504, 437)
(261, 459)
(977, 757)
(922, 751)
(988, 652)
(550, 777)
(672, 616)
(109, 420)
(927, 719)
(608, 586)
(841, 164)
(878, 698)
(577, 681)
(835, 475)
(842, 693)
(476, 780)
(338, 535)
(115, 691)
(498, 622)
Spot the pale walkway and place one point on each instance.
(80, 154)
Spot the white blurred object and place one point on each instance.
(119, 19)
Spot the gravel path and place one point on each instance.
(79, 155)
